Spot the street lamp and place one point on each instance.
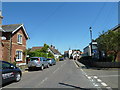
(91, 38)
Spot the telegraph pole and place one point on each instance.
(91, 39)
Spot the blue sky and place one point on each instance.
(63, 24)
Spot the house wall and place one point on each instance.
(118, 57)
(0, 48)
(15, 46)
(87, 51)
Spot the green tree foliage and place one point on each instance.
(43, 52)
(109, 41)
(50, 55)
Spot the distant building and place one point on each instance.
(87, 50)
(35, 48)
(73, 54)
(54, 51)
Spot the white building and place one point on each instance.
(54, 51)
(87, 50)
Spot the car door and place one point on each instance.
(45, 61)
(7, 72)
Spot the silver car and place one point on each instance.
(37, 62)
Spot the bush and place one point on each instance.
(14, 63)
(110, 58)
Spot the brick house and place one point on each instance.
(117, 29)
(1, 17)
(15, 43)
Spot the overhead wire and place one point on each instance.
(98, 14)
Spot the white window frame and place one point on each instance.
(19, 39)
(19, 54)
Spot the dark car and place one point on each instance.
(9, 72)
(51, 61)
(61, 59)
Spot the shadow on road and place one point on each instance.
(74, 86)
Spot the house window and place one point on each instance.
(19, 56)
(20, 39)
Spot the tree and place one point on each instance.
(50, 55)
(43, 52)
(109, 41)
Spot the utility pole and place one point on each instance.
(91, 39)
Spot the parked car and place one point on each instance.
(51, 61)
(61, 59)
(9, 72)
(37, 62)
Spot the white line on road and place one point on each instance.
(95, 77)
(75, 64)
(99, 80)
(104, 84)
(56, 70)
(46, 78)
(109, 88)
(110, 76)
(89, 77)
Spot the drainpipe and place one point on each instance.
(10, 47)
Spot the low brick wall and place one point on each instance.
(90, 63)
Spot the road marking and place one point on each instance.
(104, 84)
(75, 64)
(99, 80)
(46, 78)
(110, 76)
(89, 77)
(109, 88)
(43, 80)
(56, 70)
(95, 77)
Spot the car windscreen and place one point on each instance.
(32, 59)
(48, 59)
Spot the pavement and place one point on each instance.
(68, 74)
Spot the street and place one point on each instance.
(62, 75)
(65, 74)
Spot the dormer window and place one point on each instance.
(19, 40)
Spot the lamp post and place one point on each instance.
(91, 39)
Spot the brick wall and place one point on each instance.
(118, 57)
(15, 46)
(0, 48)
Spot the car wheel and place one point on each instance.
(29, 68)
(42, 67)
(17, 77)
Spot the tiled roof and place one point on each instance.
(11, 27)
(55, 51)
(35, 48)
(114, 28)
